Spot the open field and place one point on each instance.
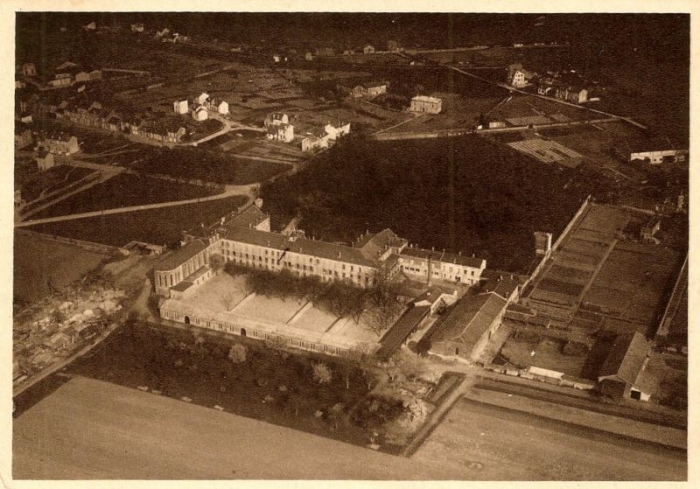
(160, 226)
(90, 429)
(125, 190)
(41, 265)
(527, 106)
(499, 444)
(34, 183)
(548, 354)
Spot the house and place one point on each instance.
(61, 143)
(90, 27)
(28, 69)
(64, 339)
(368, 49)
(313, 142)
(650, 229)
(19, 84)
(422, 103)
(96, 75)
(274, 118)
(137, 27)
(82, 76)
(572, 94)
(368, 89)
(162, 33)
(657, 157)
(222, 107)
(347, 52)
(181, 106)
(393, 46)
(506, 286)
(276, 58)
(202, 98)
(308, 56)
(335, 132)
(281, 132)
(621, 375)
(44, 159)
(23, 137)
(467, 328)
(200, 113)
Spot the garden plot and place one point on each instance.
(547, 151)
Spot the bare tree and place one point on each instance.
(227, 300)
(238, 353)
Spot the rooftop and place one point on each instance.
(444, 257)
(177, 258)
(425, 98)
(468, 320)
(372, 246)
(626, 357)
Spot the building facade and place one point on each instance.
(422, 103)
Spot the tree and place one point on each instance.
(238, 353)
(322, 373)
(379, 319)
(216, 261)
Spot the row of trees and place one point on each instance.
(379, 304)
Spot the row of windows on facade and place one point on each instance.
(229, 328)
(421, 270)
(278, 254)
(302, 270)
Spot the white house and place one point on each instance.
(423, 103)
(200, 113)
(222, 107)
(202, 98)
(368, 49)
(181, 106)
(312, 142)
(281, 132)
(334, 132)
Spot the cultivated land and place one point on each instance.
(35, 184)
(125, 190)
(40, 265)
(94, 430)
(498, 444)
(159, 226)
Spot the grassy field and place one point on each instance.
(161, 226)
(89, 429)
(268, 385)
(39, 265)
(33, 183)
(490, 206)
(126, 190)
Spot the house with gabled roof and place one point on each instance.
(467, 328)
(622, 374)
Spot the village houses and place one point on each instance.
(60, 143)
(423, 103)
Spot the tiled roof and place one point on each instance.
(462, 260)
(468, 320)
(425, 98)
(303, 246)
(373, 245)
(626, 357)
(250, 216)
(177, 258)
(503, 287)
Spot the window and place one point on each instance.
(343, 266)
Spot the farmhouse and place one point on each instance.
(281, 132)
(274, 118)
(61, 144)
(199, 113)
(622, 373)
(335, 132)
(28, 69)
(422, 103)
(181, 106)
(468, 327)
(368, 49)
(659, 156)
(313, 142)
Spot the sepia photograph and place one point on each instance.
(349, 246)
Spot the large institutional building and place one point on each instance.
(246, 240)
